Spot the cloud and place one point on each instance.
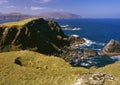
(60, 10)
(9, 7)
(42, 1)
(3, 1)
(37, 8)
(25, 7)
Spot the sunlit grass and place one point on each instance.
(19, 23)
(39, 69)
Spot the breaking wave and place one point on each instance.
(115, 57)
(63, 26)
(68, 27)
(90, 42)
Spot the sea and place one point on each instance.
(96, 32)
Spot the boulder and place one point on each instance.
(76, 40)
(89, 52)
(34, 34)
(112, 48)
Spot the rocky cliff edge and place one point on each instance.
(34, 34)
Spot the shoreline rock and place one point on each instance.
(111, 49)
(89, 53)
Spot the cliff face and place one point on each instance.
(32, 34)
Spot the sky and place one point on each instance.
(85, 8)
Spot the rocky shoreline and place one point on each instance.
(85, 57)
(47, 37)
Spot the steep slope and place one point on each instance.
(32, 34)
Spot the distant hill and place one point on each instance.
(14, 16)
(61, 15)
(53, 15)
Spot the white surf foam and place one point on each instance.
(102, 44)
(75, 28)
(64, 26)
(68, 27)
(115, 57)
(98, 49)
(88, 42)
(74, 35)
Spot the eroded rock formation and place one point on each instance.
(112, 48)
(32, 34)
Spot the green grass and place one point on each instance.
(39, 69)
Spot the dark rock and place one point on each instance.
(33, 34)
(17, 61)
(112, 48)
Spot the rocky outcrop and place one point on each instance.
(76, 40)
(32, 34)
(94, 79)
(112, 48)
(89, 53)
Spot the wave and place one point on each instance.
(102, 44)
(97, 49)
(75, 28)
(88, 42)
(115, 57)
(64, 26)
(74, 35)
(68, 27)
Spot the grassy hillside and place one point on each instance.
(39, 69)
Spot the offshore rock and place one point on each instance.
(34, 34)
(112, 48)
(89, 53)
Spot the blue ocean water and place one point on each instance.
(97, 31)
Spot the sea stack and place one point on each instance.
(112, 48)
